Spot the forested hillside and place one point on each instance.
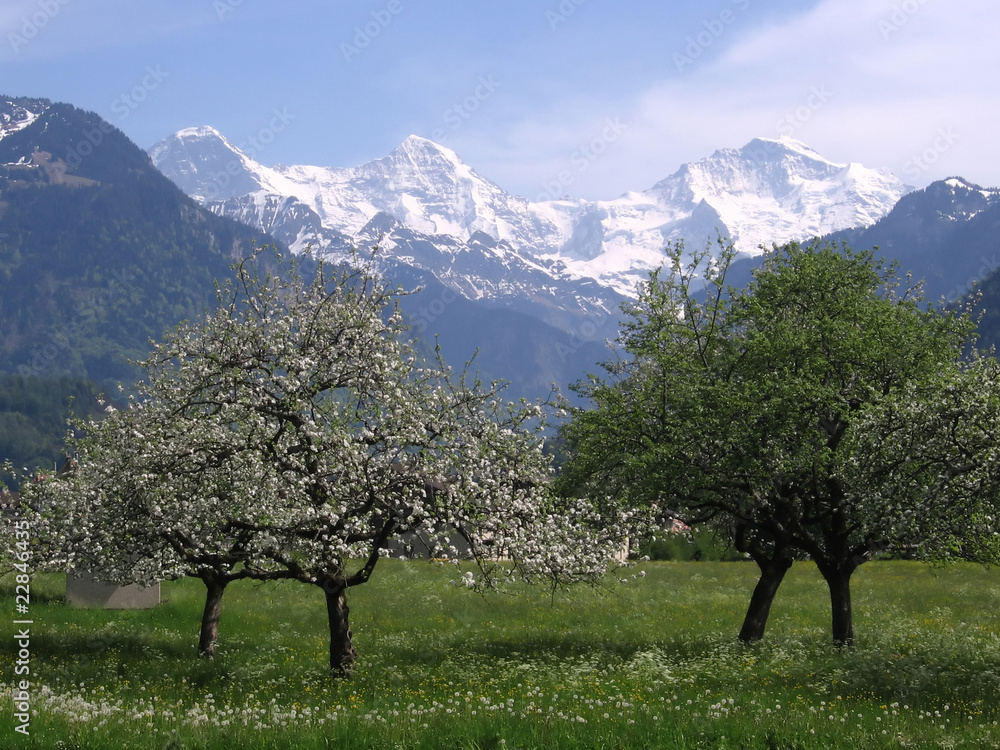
(97, 258)
(99, 253)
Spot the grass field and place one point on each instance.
(649, 663)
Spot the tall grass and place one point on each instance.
(649, 662)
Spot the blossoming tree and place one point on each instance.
(819, 413)
(296, 432)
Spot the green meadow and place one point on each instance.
(649, 661)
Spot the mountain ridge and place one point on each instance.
(944, 235)
(428, 189)
(100, 252)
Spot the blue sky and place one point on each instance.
(618, 93)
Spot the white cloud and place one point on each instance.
(884, 83)
(893, 77)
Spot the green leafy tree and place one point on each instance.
(822, 412)
(296, 433)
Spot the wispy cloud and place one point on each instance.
(874, 81)
(864, 80)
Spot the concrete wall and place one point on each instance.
(83, 590)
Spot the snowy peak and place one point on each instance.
(768, 191)
(425, 154)
(415, 158)
(421, 184)
(779, 190)
(960, 185)
(781, 148)
(762, 168)
(206, 165)
(427, 187)
(954, 200)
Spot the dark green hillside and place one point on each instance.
(88, 145)
(99, 252)
(945, 235)
(33, 414)
(988, 306)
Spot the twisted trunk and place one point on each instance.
(772, 572)
(210, 617)
(343, 657)
(342, 654)
(774, 556)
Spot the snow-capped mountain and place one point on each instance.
(424, 208)
(779, 190)
(436, 213)
(424, 186)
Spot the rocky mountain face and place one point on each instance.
(17, 114)
(99, 251)
(564, 261)
(945, 236)
(532, 289)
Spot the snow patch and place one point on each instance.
(768, 191)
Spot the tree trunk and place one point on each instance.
(210, 618)
(772, 572)
(839, 581)
(342, 653)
